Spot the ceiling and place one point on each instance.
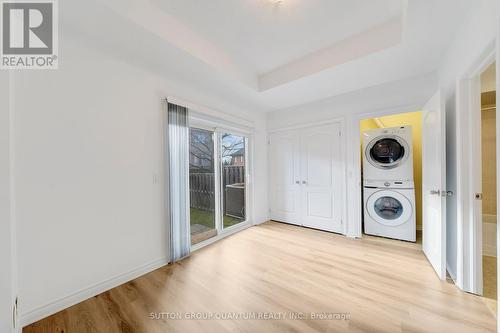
(263, 35)
(266, 55)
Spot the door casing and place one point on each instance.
(469, 218)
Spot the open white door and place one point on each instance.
(434, 184)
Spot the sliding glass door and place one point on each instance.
(217, 182)
(233, 160)
(202, 185)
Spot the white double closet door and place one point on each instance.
(307, 183)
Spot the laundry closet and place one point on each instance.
(392, 176)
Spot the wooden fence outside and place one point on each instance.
(202, 186)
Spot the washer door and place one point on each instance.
(387, 151)
(389, 208)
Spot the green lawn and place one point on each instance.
(205, 218)
(229, 221)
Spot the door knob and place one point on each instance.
(478, 196)
(297, 182)
(304, 182)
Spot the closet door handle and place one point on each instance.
(297, 182)
(304, 182)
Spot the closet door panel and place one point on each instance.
(284, 177)
(321, 177)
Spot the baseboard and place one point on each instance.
(261, 221)
(86, 293)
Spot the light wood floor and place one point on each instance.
(383, 286)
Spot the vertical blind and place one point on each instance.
(178, 184)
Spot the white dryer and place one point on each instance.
(389, 209)
(388, 154)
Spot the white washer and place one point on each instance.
(388, 154)
(389, 210)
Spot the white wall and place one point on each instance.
(410, 91)
(259, 177)
(6, 250)
(88, 143)
(401, 96)
(469, 46)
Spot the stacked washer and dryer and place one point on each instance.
(388, 186)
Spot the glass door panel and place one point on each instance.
(202, 185)
(233, 180)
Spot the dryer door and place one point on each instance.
(389, 208)
(387, 152)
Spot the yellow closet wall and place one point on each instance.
(413, 119)
(489, 152)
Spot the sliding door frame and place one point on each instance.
(222, 232)
(247, 197)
